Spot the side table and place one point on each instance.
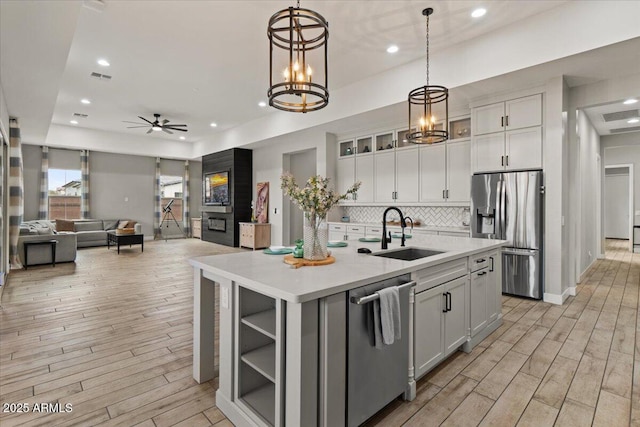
(51, 243)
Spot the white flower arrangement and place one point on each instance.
(315, 198)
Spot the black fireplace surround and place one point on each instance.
(220, 224)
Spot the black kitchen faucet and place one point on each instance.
(403, 224)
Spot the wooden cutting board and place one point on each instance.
(300, 262)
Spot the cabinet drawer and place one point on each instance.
(337, 227)
(433, 276)
(373, 230)
(355, 229)
(479, 261)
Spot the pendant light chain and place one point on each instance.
(427, 67)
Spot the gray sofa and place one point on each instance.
(93, 232)
(40, 230)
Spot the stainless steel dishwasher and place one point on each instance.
(375, 376)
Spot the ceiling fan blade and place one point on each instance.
(176, 125)
(165, 121)
(133, 127)
(172, 128)
(150, 130)
(164, 129)
(135, 123)
(142, 118)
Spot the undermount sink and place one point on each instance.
(408, 254)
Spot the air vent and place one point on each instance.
(629, 129)
(80, 115)
(100, 76)
(621, 115)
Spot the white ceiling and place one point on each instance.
(196, 62)
(603, 127)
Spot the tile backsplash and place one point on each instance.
(443, 216)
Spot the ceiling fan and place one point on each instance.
(157, 125)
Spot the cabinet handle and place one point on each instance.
(507, 160)
(447, 194)
(449, 299)
(446, 305)
(502, 160)
(491, 258)
(482, 274)
(478, 261)
(502, 121)
(507, 121)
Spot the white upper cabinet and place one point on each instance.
(385, 170)
(346, 175)
(407, 167)
(458, 171)
(507, 135)
(433, 181)
(365, 174)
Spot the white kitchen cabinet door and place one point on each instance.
(433, 183)
(478, 301)
(364, 174)
(346, 174)
(523, 149)
(524, 112)
(336, 235)
(428, 329)
(455, 323)
(407, 167)
(488, 119)
(494, 286)
(487, 153)
(384, 182)
(459, 171)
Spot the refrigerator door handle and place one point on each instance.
(498, 215)
(522, 252)
(503, 212)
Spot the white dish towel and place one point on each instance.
(386, 316)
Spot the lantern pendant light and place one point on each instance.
(422, 102)
(298, 74)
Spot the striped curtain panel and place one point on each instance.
(186, 217)
(84, 199)
(43, 211)
(157, 205)
(16, 186)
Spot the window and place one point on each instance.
(171, 188)
(65, 189)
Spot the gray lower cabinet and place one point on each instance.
(259, 384)
(440, 323)
(485, 290)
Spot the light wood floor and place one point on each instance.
(112, 335)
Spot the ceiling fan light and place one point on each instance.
(156, 128)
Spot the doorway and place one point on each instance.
(302, 166)
(618, 203)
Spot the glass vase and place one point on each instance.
(316, 235)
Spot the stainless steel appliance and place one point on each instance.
(509, 206)
(375, 376)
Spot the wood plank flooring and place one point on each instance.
(112, 336)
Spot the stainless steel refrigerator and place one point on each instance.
(509, 206)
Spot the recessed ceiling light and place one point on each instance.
(85, 101)
(392, 49)
(182, 138)
(262, 104)
(103, 62)
(630, 101)
(633, 121)
(213, 125)
(478, 12)
(74, 122)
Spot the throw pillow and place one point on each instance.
(131, 224)
(64, 225)
(123, 223)
(110, 224)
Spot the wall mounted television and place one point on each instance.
(215, 189)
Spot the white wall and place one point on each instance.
(624, 149)
(302, 166)
(589, 146)
(4, 115)
(268, 166)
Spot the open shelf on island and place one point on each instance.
(261, 401)
(263, 322)
(263, 360)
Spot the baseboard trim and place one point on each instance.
(558, 299)
(585, 271)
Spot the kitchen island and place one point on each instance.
(283, 331)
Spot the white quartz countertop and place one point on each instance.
(415, 228)
(269, 275)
